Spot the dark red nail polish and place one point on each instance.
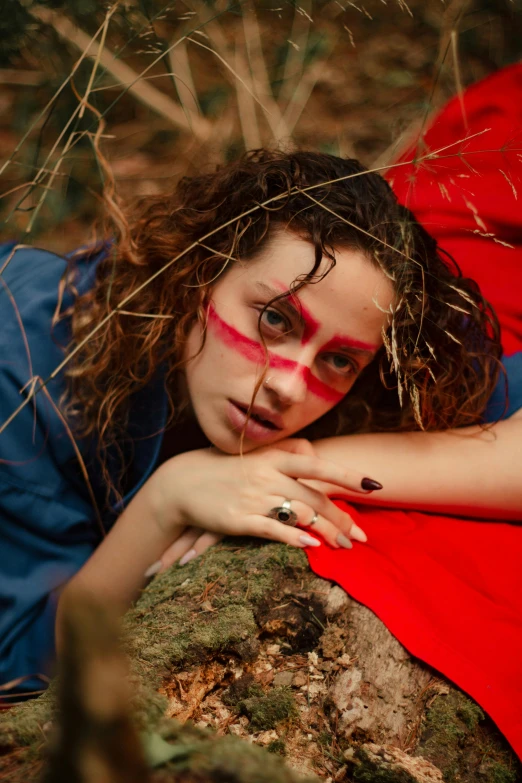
(368, 483)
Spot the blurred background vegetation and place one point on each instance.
(173, 88)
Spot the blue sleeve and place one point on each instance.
(47, 530)
(44, 543)
(502, 405)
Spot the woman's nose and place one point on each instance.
(289, 385)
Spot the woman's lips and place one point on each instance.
(254, 430)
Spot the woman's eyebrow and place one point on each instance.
(338, 342)
(292, 304)
(343, 342)
(274, 292)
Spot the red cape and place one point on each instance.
(451, 589)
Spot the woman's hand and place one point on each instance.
(224, 494)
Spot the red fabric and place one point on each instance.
(451, 589)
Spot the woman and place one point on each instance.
(256, 303)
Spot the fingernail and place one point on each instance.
(309, 541)
(368, 483)
(153, 569)
(358, 534)
(190, 555)
(343, 541)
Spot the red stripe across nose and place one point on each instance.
(254, 352)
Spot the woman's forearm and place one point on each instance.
(468, 471)
(115, 572)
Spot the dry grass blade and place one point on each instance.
(235, 219)
(458, 79)
(48, 105)
(453, 14)
(21, 78)
(142, 90)
(356, 227)
(295, 57)
(245, 104)
(302, 94)
(96, 60)
(50, 181)
(36, 180)
(144, 315)
(260, 78)
(212, 27)
(79, 457)
(229, 69)
(187, 93)
(21, 325)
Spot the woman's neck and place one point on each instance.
(181, 436)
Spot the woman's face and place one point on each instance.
(318, 342)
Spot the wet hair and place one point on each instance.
(439, 361)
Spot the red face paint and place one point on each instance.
(310, 324)
(340, 341)
(254, 352)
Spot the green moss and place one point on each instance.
(499, 773)
(265, 712)
(445, 733)
(244, 688)
(470, 714)
(456, 737)
(236, 761)
(277, 746)
(286, 557)
(325, 739)
(370, 771)
(22, 725)
(172, 623)
(189, 613)
(184, 617)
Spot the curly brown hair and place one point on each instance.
(439, 362)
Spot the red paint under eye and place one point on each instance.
(311, 325)
(253, 351)
(344, 341)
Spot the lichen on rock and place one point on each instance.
(266, 711)
(463, 744)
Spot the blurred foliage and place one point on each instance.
(347, 78)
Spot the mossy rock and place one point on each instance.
(464, 744)
(184, 617)
(266, 711)
(244, 688)
(22, 725)
(230, 760)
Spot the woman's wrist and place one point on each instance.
(141, 534)
(163, 496)
(467, 472)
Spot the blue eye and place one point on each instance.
(274, 319)
(342, 363)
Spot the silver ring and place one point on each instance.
(284, 514)
(314, 519)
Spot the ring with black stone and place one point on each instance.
(284, 514)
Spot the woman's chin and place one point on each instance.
(230, 443)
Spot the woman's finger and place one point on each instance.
(179, 548)
(314, 522)
(201, 544)
(335, 521)
(264, 527)
(304, 466)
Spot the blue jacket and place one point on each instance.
(48, 528)
(47, 525)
